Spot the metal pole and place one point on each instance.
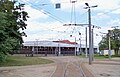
(86, 42)
(80, 46)
(75, 46)
(90, 40)
(59, 51)
(92, 46)
(109, 47)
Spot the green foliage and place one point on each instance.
(12, 19)
(2, 57)
(114, 39)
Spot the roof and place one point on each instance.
(51, 44)
(66, 41)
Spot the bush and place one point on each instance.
(116, 55)
(106, 56)
(2, 57)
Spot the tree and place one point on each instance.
(114, 38)
(115, 33)
(12, 21)
(103, 43)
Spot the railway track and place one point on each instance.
(69, 69)
(74, 69)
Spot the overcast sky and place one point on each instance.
(46, 22)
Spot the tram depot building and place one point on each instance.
(64, 47)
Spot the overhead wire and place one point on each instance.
(45, 12)
(48, 13)
(109, 12)
(73, 14)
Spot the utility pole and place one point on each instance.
(92, 45)
(109, 52)
(86, 42)
(90, 39)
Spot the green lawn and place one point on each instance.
(96, 56)
(22, 61)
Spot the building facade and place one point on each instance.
(53, 48)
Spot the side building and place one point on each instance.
(64, 47)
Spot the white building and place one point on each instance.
(63, 47)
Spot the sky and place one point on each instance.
(46, 22)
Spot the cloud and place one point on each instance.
(116, 11)
(114, 22)
(34, 13)
(49, 30)
(33, 37)
(101, 16)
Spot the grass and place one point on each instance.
(23, 61)
(100, 56)
(96, 56)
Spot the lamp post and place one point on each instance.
(90, 39)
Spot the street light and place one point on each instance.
(90, 34)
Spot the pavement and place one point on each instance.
(105, 68)
(99, 68)
(28, 71)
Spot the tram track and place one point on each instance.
(70, 69)
(74, 70)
